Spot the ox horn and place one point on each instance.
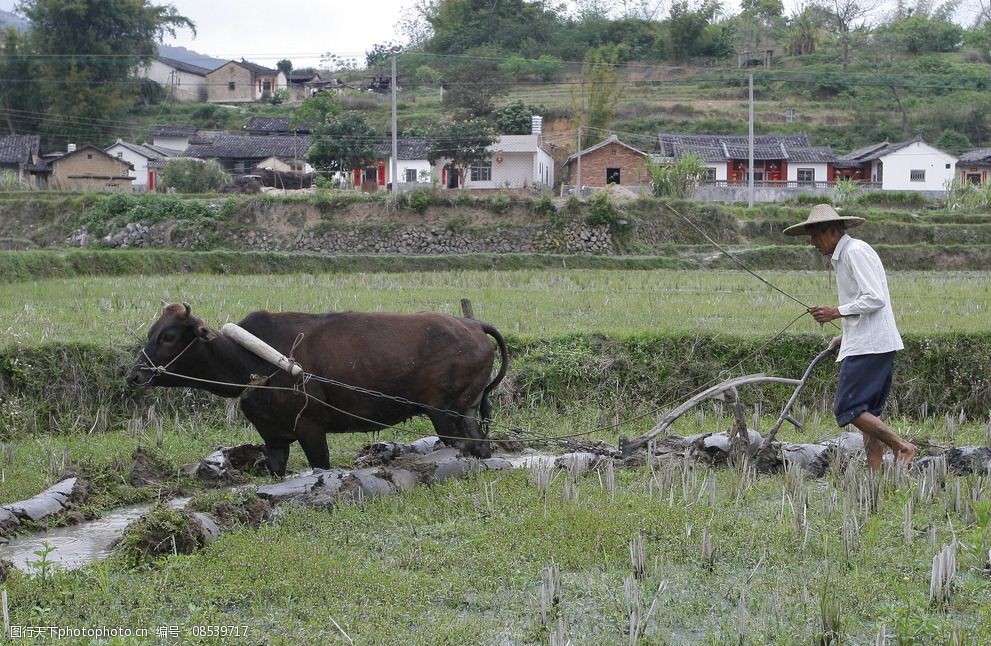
(188, 309)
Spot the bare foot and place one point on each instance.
(906, 454)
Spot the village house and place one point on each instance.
(141, 158)
(18, 153)
(779, 160)
(609, 162)
(87, 168)
(241, 154)
(974, 166)
(242, 81)
(173, 137)
(911, 165)
(412, 165)
(515, 162)
(182, 81)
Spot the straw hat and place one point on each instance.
(821, 214)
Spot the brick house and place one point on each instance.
(609, 162)
(242, 81)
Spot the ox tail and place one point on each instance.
(485, 407)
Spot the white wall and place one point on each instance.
(820, 170)
(416, 164)
(938, 167)
(140, 163)
(174, 143)
(183, 85)
(721, 172)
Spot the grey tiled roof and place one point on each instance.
(275, 125)
(18, 149)
(876, 151)
(256, 68)
(612, 139)
(173, 131)
(247, 147)
(148, 151)
(720, 148)
(666, 141)
(407, 148)
(184, 66)
(979, 156)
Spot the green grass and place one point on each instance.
(531, 304)
(462, 563)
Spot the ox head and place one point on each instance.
(171, 345)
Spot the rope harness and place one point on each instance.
(261, 383)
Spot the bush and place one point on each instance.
(192, 176)
(418, 201)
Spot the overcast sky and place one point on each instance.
(300, 30)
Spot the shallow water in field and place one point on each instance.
(76, 545)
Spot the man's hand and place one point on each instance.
(824, 314)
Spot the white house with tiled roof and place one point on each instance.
(911, 165)
(182, 81)
(782, 159)
(139, 156)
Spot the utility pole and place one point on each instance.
(578, 163)
(394, 165)
(750, 162)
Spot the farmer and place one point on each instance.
(869, 339)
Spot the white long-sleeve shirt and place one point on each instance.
(869, 322)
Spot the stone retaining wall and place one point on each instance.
(572, 237)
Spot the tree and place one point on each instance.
(340, 144)
(846, 16)
(693, 33)
(678, 180)
(461, 143)
(516, 118)
(285, 65)
(474, 81)
(18, 99)
(192, 176)
(519, 26)
(317, 109)
(803, 30)
(89, 49)
(594, 98)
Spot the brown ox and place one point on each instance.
(439, 365)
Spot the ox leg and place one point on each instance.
(315, 447)
(460, 432)
(276, 457)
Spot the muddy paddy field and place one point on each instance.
(680, 545)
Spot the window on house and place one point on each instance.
(709, 175)
(120, 155)
(917, 175)
(612, 176)
(806, 175)
(410, 176)
(267, 86)
(481, 171)
(239, 167)
(230, 85)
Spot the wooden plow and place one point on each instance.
(765, 457)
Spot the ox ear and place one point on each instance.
(203, 331)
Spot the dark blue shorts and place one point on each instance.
(865, 381)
